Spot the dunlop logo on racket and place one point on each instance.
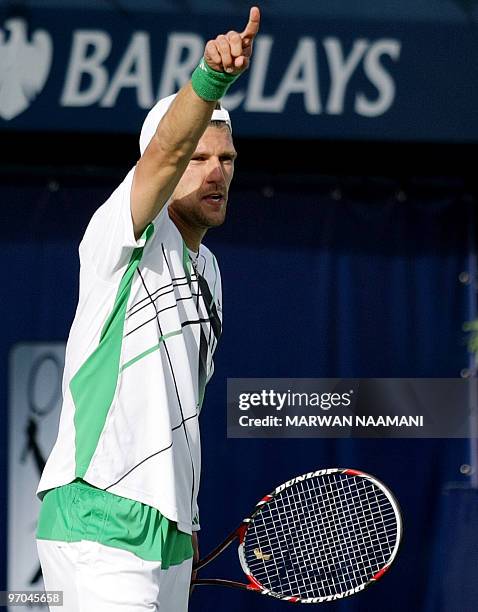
(318, 537)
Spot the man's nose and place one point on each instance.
(215, 172)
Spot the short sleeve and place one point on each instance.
(109, 240)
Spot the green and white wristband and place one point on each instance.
(210, 84)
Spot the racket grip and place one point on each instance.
(222, 582)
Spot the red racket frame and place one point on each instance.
(240, 534)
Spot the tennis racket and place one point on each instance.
(319, 537)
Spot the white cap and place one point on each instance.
(157, 113)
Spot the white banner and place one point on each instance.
(35, 374)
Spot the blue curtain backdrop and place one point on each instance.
(320, 280)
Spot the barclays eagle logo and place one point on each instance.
(24, 66)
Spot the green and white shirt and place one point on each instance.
(138, 358)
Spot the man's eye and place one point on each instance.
(198, 158)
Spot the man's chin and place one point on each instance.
(213, 220)
(209, 223)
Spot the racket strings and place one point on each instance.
(322, 536)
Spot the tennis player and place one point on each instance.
(118, 522)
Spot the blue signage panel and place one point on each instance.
(76, 70)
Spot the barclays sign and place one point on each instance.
(316, 81)
(91, 48)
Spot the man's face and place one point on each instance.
(200, 197)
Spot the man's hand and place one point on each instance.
(231, 52)
(195, 557)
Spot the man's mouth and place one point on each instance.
(214, 198)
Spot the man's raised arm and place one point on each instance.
(177, 135)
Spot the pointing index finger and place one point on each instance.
(252, 26)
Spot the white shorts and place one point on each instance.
(98, 578)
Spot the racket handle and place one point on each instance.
(217, 551)
(221, 582)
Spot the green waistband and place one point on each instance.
(79, 511)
